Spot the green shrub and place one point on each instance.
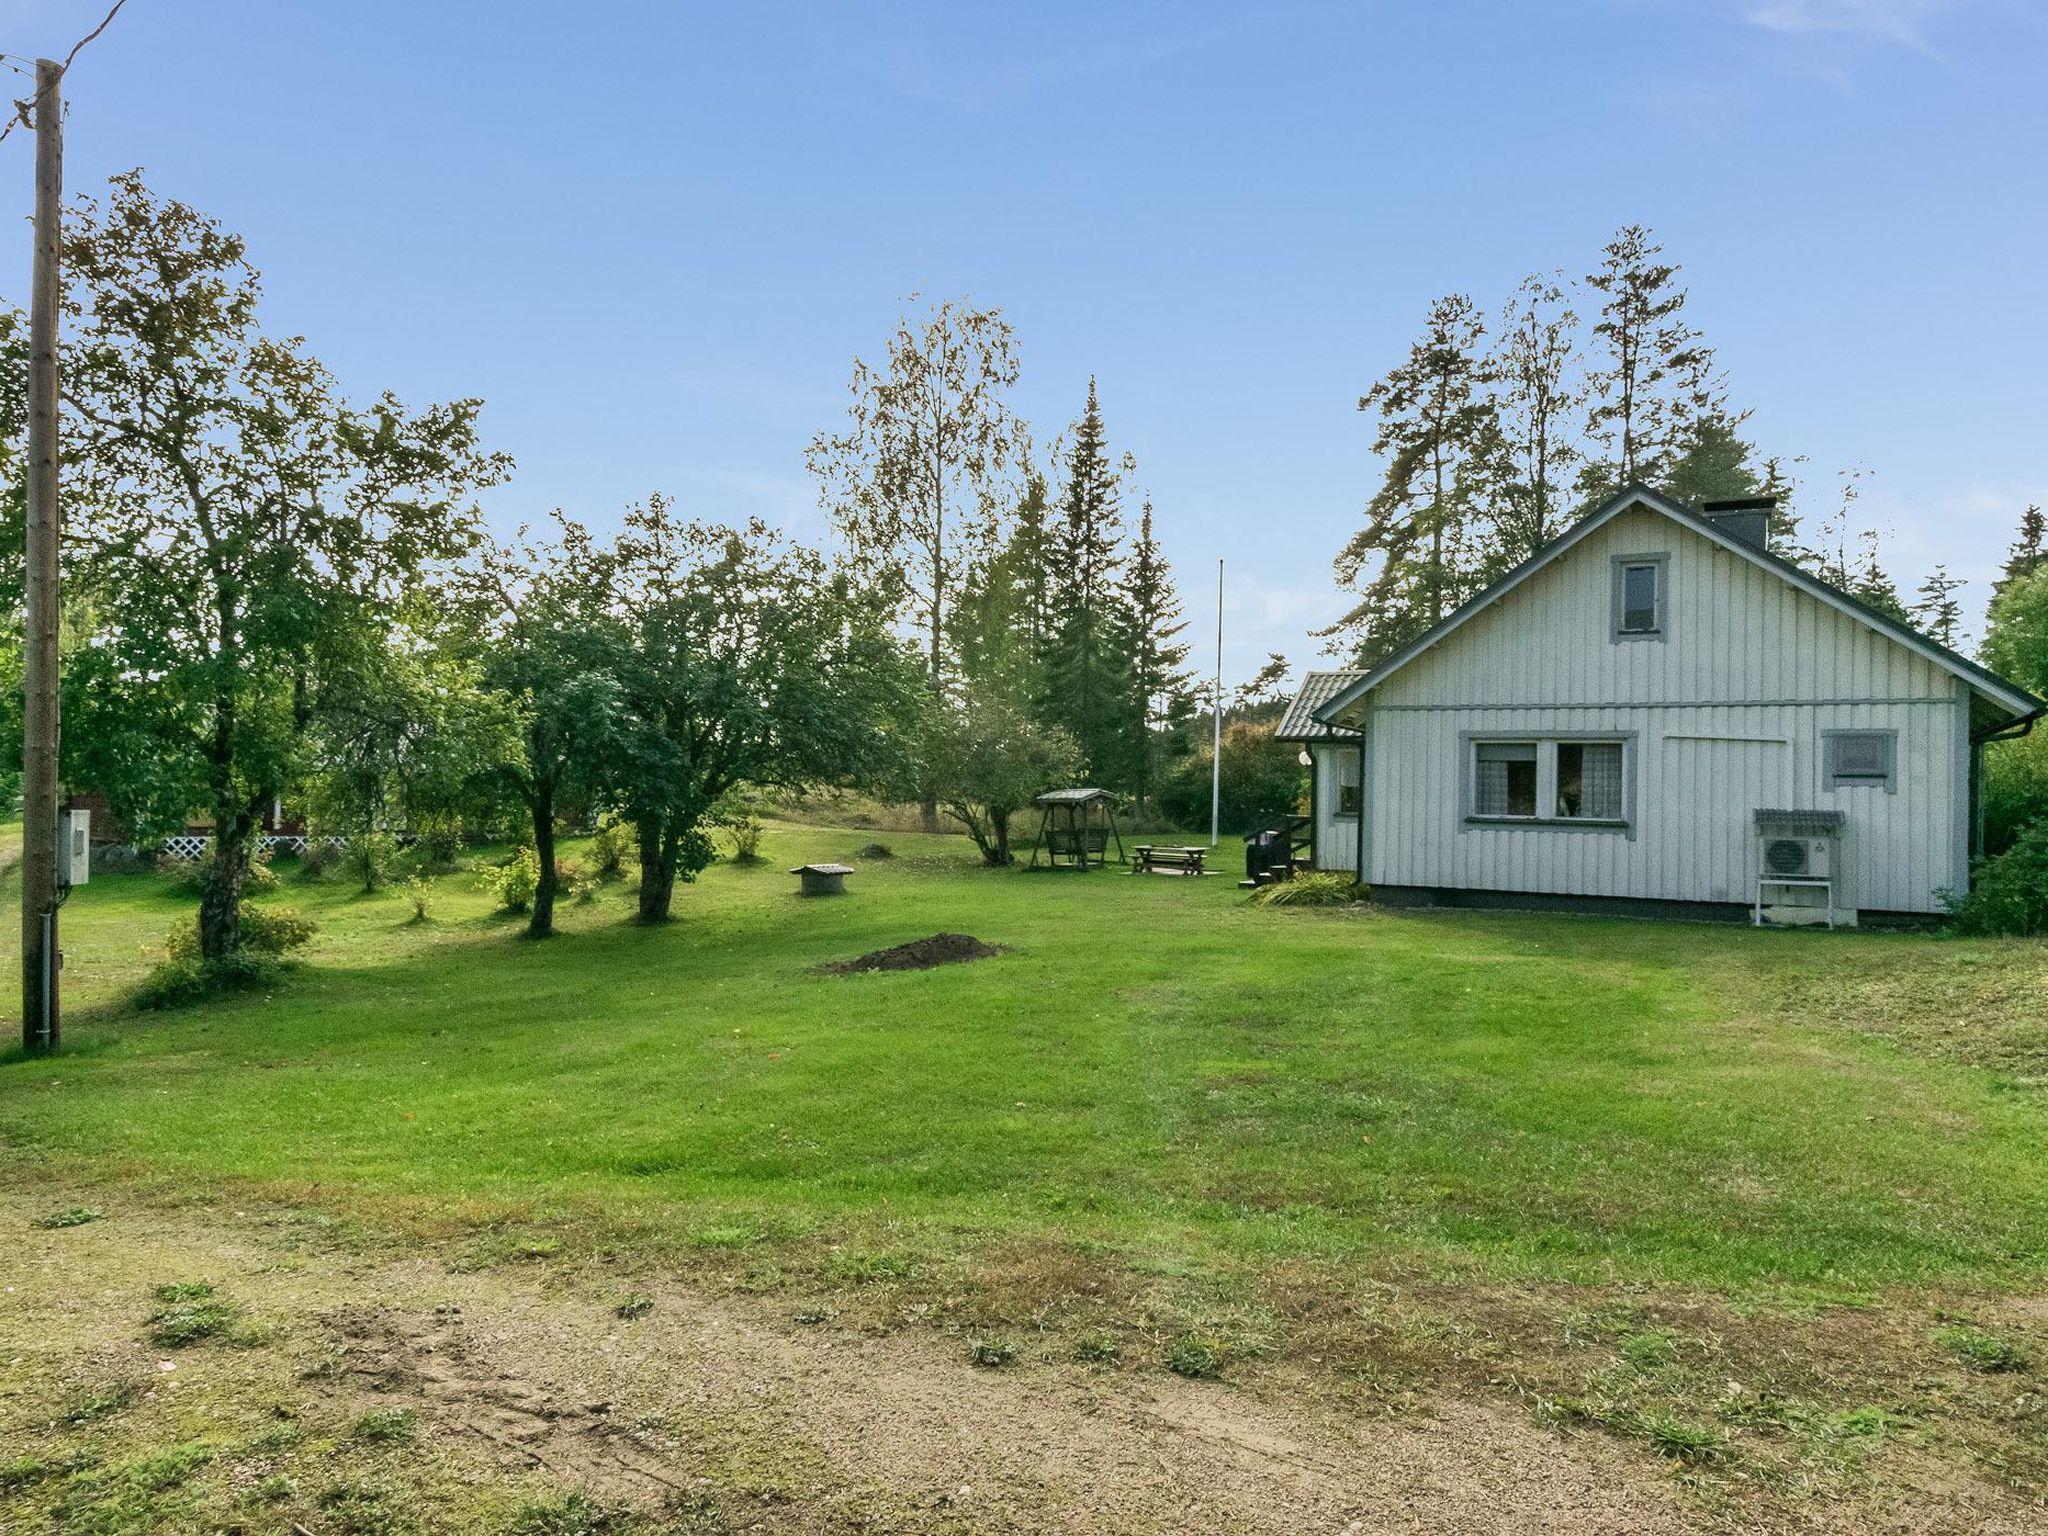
(2009, 893)
(1317, 888)
(371, 859)
(319, 859)
(265, 931)
(183, 977)
(420, 892)
(440, 842)
(610, 846)
(515, 881)
(193, 874)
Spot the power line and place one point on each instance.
(25, 106)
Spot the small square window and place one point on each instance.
(1861, 759)
(1638, 604)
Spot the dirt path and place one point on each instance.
(713, 1403)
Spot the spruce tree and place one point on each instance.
(1148, 630)
(1653, 375)
(2029, 550)
(1415, 559)
(1087, 677)
(1534, 366)
(1937, 612)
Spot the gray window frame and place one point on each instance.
(1831, 777)
(1619, 566)
(1546, 776)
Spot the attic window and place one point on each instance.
(1639, 599)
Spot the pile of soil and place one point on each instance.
(920, 954)
(873, 851)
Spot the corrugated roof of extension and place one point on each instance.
(1317, 689)
(2018, 704)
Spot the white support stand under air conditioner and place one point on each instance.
(1804, 882)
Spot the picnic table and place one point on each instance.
(1152, 858)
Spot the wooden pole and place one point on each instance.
(39, 952)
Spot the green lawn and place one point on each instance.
(1158, 1074)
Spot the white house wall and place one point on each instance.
(1336, 837)
(1727, 716)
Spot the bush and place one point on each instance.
(611, 845)
(746, 832)
(371, 858)
(194, 873)
(2008, 894)
(182, 977)
(1316, 888)
(441, 842)
(1263, 781)
(265, 931)
(321, 856)
(515, 881)
(420, 892)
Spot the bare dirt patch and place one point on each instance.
(919, 955)
(518, 1383)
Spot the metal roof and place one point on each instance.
(1317, 689)
(2016, 701)
(1071, 796)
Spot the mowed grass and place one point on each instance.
(1157, 1072)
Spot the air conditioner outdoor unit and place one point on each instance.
(1798, 857)
(1806, 857)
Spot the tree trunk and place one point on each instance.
(542, 924)
(999, 823)
(657, 869)
(220, 903)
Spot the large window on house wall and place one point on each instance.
(1561, 781)
(1639, 606)
(1347, 782)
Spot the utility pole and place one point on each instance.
(40, 957)
(1216, 724)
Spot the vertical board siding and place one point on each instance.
(1747, 656)
(1336, 845)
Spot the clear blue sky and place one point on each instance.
(653, 236)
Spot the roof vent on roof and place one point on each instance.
(1747, 518)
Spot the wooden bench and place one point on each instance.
(1188, 861)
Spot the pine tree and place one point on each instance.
(1849, 557)
(1086, 676)
(2029, 551)
(1937, 612)
(1415, 557)
(1533, 366)
(1148, 630)
(1654, 373)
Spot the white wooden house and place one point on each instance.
(1603, 726)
